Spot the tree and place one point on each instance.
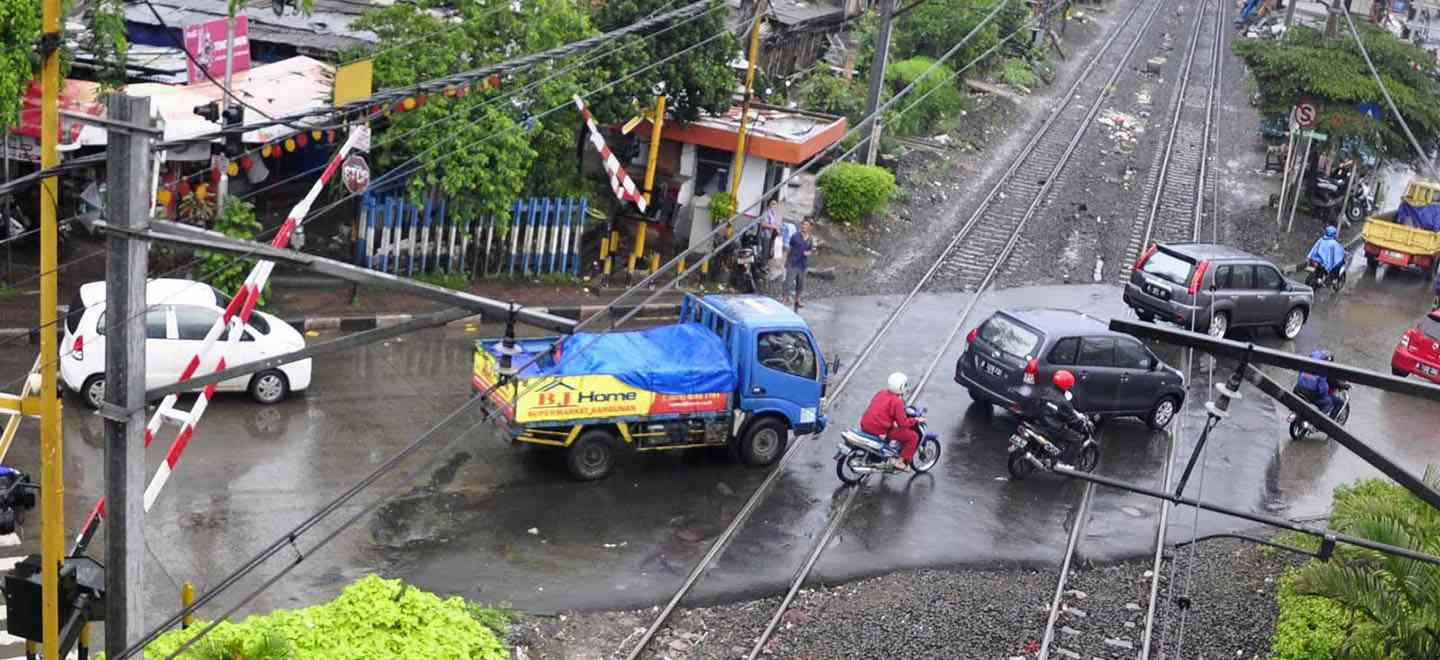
(702, 80)
(1397, 600)
(19, 31)
(935, 26)
(1332, 71)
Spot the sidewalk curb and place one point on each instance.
(372, 321)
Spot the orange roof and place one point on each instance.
(774, 134)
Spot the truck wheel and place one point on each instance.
(592, 456)
(764, 442)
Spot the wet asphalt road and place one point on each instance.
(475, 517)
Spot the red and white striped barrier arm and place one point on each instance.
(620, 181)
(235, 317)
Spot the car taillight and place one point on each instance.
(970, 338)
(1405, 339)
(1198, 276)
(78, 350)
(1031, 369)
(1140, 263)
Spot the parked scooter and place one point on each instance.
(750, 272)
(1043, 440)
(860, 453)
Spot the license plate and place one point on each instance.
(1157, 291)
(988, 367)
(1394, 258)
(1428, 370)
(1016, 443)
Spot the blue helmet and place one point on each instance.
(1322, 354)
(1331, 232)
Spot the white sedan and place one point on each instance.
(179, 314)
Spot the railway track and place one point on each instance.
(1175, 210)
(978, 250)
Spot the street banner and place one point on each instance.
(206, 44)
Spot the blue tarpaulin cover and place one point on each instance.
(685, 358)
(1424, 217)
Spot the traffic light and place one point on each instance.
(209, 111)
(234, 118)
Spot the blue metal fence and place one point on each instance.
(397, 236)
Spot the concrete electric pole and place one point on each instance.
(128, 164)
(871, 146)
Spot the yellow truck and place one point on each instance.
(1408, 237)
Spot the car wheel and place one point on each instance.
(980, 404)
(93, 391)
(1144, 316)
(1163, 412)
(1399, 372)
(1294, 321)
(763, 442)
(1219, 325)
(1371, 263)
(269, 387)
(592, 456)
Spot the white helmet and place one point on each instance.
(898, 382)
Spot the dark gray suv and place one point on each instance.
(1115, 374)
(1212, 288)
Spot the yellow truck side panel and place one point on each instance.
(565, 398)
(1382, 232)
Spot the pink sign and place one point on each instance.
(206, 42)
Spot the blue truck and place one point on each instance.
(743, 372)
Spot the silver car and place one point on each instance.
(1212, 288)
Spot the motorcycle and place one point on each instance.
(1327, 195)
(1320, 278)
(1300, 428)
(1030, 449)
(860, 453)
(750, 273)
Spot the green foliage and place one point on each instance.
(828, 92)
(722, 206)
(1307, 627)
(105, 40)
(227, 272)
(457, 281)
(700, 80)
(268, 646)
(496, 619)
(372, 618)
(1394, 603)
(19, 30)
(934, 27)
(1333, 71)
(853, 192)
(934, 97)
(1018, 73)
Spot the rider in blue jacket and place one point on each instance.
(1328, 252)
(1316, 387)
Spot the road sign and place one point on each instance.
(356, 174)
(1306, 114)
(1314, 135)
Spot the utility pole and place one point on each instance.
(1289, 16)
(224, 186)
(128, 164)
(52, 455)
(871, 146)
(738, 166)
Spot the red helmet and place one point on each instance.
(1064, 380)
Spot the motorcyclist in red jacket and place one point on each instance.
(886, 417)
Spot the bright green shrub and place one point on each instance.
(372, 618)
(935, 97)
(1308, 627)
(853, 192)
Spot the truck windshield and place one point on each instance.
(788, 351)
(1164, 265)
(1009, 336)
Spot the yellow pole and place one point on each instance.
(656, 123)
(52, 493)
(739, 164)
(84, 650)
(187, 598)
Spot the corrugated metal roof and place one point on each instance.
(796, 12)
(326, 29)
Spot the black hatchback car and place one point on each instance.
(1115, 374)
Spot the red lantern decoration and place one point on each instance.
(302, 139)
(246, 163)
(184, 187)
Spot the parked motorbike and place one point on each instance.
(1299, 428)
(1320, 278)
(1327, 195)
(750, 273)
(860, 453)
(1034, 447)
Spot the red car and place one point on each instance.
(1419, 350)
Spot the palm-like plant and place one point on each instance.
(268, 647)
(1396, 600)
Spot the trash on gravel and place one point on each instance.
(533, 531)
(1142, 97)
(1154, 64)
(617, 545)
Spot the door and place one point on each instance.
(1271, 303)
(192, 323)
(1232, 284)
(1139, 382)
(1098, 386)
(786, 375)
(159, 365)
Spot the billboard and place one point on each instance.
(206, 43)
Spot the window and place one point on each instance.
(1009, 336)
(73, 313)
(1266, 277)
(1130, 354)
(1097, 352)
(712, 170)
(1241, 277)
(1064, 351)
(788, 351)
(259, 324)
(1164, 265)
(1222, 277)
(154, 323)
(1430, 325)
(194, 322)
